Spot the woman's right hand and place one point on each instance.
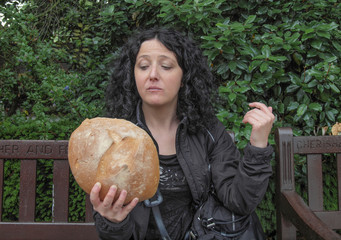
(114, 211)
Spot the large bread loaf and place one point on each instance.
(114, 152)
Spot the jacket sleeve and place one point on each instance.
(108, 230)
(239, 181)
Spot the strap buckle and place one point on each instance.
(192, 235)
(208, 223)
(155, 200)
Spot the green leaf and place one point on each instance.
(293, 38)
(337, 45)
(281, 108)
(292, 106)
(302, 109)
(250, 19)
(263, 67)
(222, 114)
(331, 59)
(334, 87)
(237, 27)
(317, 44)
(330, 115)
(232, 97)
(307, 36)
(259, 57)
(109, 11)
(254, 65)
(223, 89)
(315, 107)
(242, 65)
(242, 89)
(277, 40)
(313, 83)
(232, 65)
(309, 30)
(327, 27)
(323, 34)
(278, 58)
(207, 3)
(292, 88)
(228, 49)
(88, 3)
(320, 87)
(294, 78)
(222, 26)
(222, 69)
(218, 45)
(266, 51)
(208, 38)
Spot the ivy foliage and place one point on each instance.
(54, 57)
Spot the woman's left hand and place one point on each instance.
(261, 120)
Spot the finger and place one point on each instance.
(109, 198)
(261, 106)
(258, 119)
(120, 201)
(263, 110)
(128, 208)
(256, 114)
(259, 114)
(94, 194)
(253, 120)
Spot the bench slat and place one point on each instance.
(338, 165)
(60, 190)
(329, 218)
(315, 186)
(88, 209)
(34, 149)
(317, 144)
(27, 194)
(51, 231)
(1, 185)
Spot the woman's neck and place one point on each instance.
(160, 117)
(162, 123)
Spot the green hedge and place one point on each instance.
(53, 58)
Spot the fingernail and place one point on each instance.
(124, 192)
(98, 185)
(136, 200)
(113, 188)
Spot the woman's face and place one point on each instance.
(157, 75)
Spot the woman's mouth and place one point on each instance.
(154, 89)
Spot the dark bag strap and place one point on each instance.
(154, 203)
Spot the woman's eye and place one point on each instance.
(166, 67)
(143, 67)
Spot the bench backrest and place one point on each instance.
(311, 220)
(29, 151)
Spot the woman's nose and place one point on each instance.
(154, 74)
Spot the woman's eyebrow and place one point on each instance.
(160, 56)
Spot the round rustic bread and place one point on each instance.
(114, 152)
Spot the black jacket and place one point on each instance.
(240, 182)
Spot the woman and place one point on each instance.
(162, 82)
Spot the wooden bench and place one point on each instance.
(26, 227)
(311, 220)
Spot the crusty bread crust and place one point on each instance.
(114, 152)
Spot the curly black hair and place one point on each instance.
(195, 95)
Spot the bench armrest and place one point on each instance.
(305, 220)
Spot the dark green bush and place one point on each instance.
(283, 53)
